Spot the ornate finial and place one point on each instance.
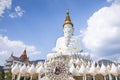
(24, 55)
(67, 12)
(67, 20)
(12, 53)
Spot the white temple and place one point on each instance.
(68, 62)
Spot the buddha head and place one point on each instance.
(68, 30)
(68, 26)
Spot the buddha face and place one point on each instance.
(68, 30)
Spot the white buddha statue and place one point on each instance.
(68, 43)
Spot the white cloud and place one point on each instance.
(102, 34)
(18, 12)
(12, 15)
(8, 46)
(117, 1)
(4, 4)
(114, 1)
(109, 0)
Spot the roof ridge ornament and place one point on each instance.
(24, 55)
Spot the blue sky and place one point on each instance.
(38, 24)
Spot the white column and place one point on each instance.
(39, 77)
(24, 78)
(93, 77)
(104, 77)
(31, 77)
(18, 77)
(116, 78)
(110, 77)
(85, 77)
(12, 76)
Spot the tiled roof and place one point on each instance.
(11, 58)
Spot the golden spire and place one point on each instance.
(67, 20)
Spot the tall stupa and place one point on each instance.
(58, 64)
(68, 43)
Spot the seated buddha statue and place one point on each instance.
(68, 43)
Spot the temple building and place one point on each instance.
(68, 62)
(12, 60)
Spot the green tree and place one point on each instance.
(8, 76)
(1, 75)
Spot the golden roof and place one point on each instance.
(67, 20)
